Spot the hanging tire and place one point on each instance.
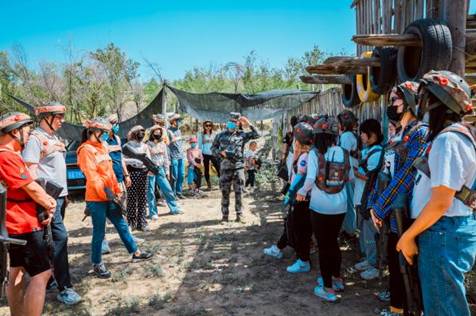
(383, 78)
(435, 53)
(350, 97)
(364, 88)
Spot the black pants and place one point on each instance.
(206, 163)
(397, 288)
(250, 180)
(326, 229)
(137, 198)
(198, 177)
(283, 240)
(297, 230)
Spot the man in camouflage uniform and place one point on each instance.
(228, 148)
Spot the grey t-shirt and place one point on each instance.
(51, 167)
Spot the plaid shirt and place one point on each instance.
(402, 181)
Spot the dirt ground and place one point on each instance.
(204, 267)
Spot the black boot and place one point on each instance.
(224, 218)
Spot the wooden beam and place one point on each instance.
(357, 61)
(455, 12)
(354, 3)
(333, 69)
(334, 59)
(326, 79)
(380, 40)
(470, 78)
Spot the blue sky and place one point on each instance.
(178, 35)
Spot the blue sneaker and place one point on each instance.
(337, 284)
(299, 267)
(68, 297)
(321, 292)
(272, 251)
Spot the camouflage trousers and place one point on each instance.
(227, 178)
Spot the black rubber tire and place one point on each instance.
(435, 54)
(383, 78)
(350, 97)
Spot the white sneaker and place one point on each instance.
(370, 274)
(362, 265)
(105, 249)
(155, 217)
(138, 240)
(273, 251)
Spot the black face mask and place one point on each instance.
(392, 113)
(157, 137)
(140, 136)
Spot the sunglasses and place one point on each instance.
(208, 125)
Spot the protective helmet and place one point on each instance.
(235, 116)
(154, 128)
(98, 123)
(450, 89)
(159, 118)
(304, 133)
(326, 125)
(347, 118)
(306, 119)
(174, 117)
(51, 108)
(113, 118)
(408, 91)
(193, 140)
(13, 120)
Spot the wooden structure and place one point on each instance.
(382, 23)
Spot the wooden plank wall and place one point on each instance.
(390, 16)
(373, 16)
(330, 102)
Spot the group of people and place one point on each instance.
(123, 183)
(416, 190)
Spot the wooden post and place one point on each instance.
(164, 100)
(455, 12)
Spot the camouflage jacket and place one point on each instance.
(233, 143)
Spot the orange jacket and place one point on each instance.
(95, 162)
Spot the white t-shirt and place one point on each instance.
(372, 164)
(452, 162)
(249, 155)
(51, 167)
(289, 160)
(322, 202)
(349, 142)
(389, 157)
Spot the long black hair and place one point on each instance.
(323, 141)
(441, 117)
(85, 135)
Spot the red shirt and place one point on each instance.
(21, 209)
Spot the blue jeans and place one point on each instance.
(178, 172)
(99, 211)
(161, 180)
(350, 220)
(447, 251)
(60, 240)
(368, 245)
(190, 175)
